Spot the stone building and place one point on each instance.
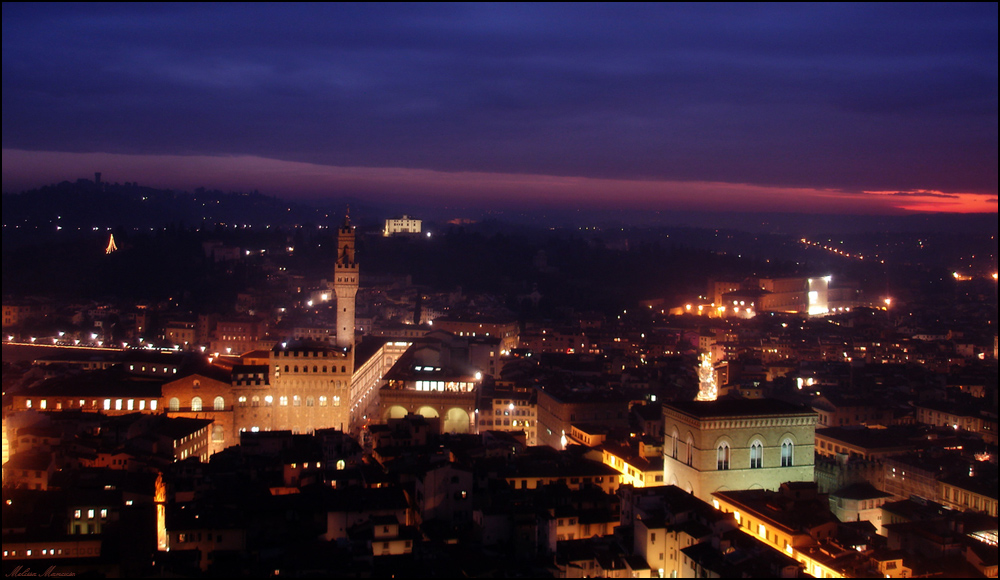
(737, 444)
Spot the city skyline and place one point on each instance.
(857, 109)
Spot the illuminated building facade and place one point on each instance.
(434, 378)
(305, 387)
(367, 379)
(736, 444)
(402, 225)
(204, 395)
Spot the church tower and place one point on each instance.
(345, 283)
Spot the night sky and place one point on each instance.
(800, 108)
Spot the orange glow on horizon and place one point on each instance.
(924, 200)
(307, 181)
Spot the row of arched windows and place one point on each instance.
(296, 401)
(218, 404)
(723, 455)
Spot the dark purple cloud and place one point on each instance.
(851, 97)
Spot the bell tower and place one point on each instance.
(345, 283)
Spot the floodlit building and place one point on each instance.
(402, 225)
(434, 378)
(737, 444)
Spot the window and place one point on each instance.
(786, 453)
(283, 401)
(322, 400)
(690, 450)
(219, 404)
(756, 455)
(196, 404)
(175, 404)
(722, 457)
(673, 444)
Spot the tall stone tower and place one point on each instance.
(345, 283)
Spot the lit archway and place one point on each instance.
(456, 421)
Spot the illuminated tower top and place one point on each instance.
(345, 283)
(345, 244)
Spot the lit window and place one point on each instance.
(174, 404)
(786, 453)
(219, 404)
(723, 456)
(283, 401)
(756, 455)
(196, 404)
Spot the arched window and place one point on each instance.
(315, 368)
(310, 401)
(756, 455)
(283, 401)
(255, 401)
(219, 404)
(196, 404)
(690, 450)
(324, 368)
(722, 456)
(218, 433)
(174, 404)
(242, 401)
(786, 453)
(673, 444)
(322, 400)
(296, 401)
